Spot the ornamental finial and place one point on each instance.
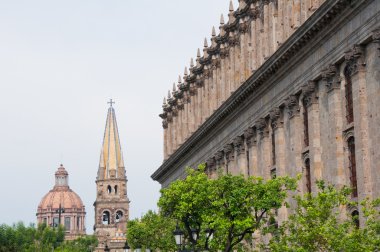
(199, 53)
(213, 33)
(185, 73)
(111, 102)
(205, 43)
(222, 19)
(231, 6)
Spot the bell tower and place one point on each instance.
(112, 203)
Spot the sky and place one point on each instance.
(60, 62)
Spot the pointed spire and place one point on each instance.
(164, 103)
(199, 53)
(213, 33)
(169, 95)
(174, 87)
(205, 43)
(111, 158)
(222, 19)
(185, 73)
(231, 6)
(191, 62)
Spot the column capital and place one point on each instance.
(276, 118)
(330, 77)
(354, 61)
(229, 151)
(249, 136)
(293, 106)
(211, 164)
(238, 143)
(219, 158)
(309, 93)
(262, 127)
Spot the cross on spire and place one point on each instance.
(111, 102)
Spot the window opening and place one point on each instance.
(119, 215)
(106, 218)
(67, 223)
(352, 166)
(355, 218)
(109, 189)
(348, 94)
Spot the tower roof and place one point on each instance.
(111, 158)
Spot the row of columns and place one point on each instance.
(252, 153)
(252, 34)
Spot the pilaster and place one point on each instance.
(241, 155)
(264, 148)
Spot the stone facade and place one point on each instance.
(62, 206)
(287, 87)
(112, 203)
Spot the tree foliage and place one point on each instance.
(233, 207)
(152, 231)
(21, 238)
(319, 224)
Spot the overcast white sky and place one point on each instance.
(60, 62)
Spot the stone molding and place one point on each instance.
(293, 106)
(309, 93)
(229, 152)
(354, 61)
(239, 145)
(276, 118)
(262, 128)
(330, 77)
(249, 136)
(376, 39)
(304, 34)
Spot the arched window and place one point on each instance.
(109, 189)
(355, 218)
(307, 175)
(305, 124)
(115, 189)
(348, 94)
(352, 166)
(106, 218)
(119, 216)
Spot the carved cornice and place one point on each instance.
(309, 93)
(354, 61)
(293, 107)
(330, 77)
(219, 156)
(276, 118)
(304, 35)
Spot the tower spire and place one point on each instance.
(111, 158)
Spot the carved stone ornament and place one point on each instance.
(210, 164)
(276, 118)
(244, 27)
(234, 40)
(215, 63)
(193, 89)
(169, 118)
(376, 39)
(163, 115)
(199, 81)
(253, 12)
(239, 145)
(224, 52)
(175, 111)
(261, 126)
(354, 61)
(293, 106)
(229, 151)
(249, 136)
(180, 105)
(309, 93)
(330, 77)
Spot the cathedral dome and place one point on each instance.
(61, 205)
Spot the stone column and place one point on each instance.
(169, 136)
(295, 145)
(280, 23)
(277, 124)
(211, 168)
(241, 158)
(296, 14)
(356, 69)
(253, 38)
(266, 34)
(249, 142)
(310, 97)
(263, 149)
(165, 126)
(220, 162)
(332, 81)
(193, 112)
(230, 158)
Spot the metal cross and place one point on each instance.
(111, 102)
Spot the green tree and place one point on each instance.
(86, 243)
(233, 207)
(317, 224)
(152, 231)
